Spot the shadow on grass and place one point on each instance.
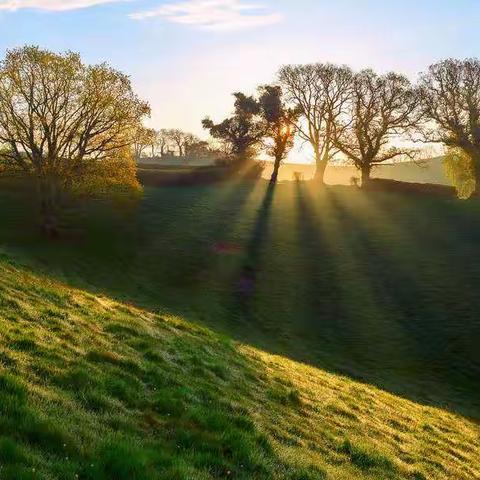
(320, 280)
(423, 307)
(247, 281)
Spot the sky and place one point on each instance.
(186, 57)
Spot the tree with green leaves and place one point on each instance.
(241, 133)
(279, 125)
(60, 118)
(144, 138)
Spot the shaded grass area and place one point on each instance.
(378, 286)
(95, 389)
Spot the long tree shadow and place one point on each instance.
(245, 280)
(319, 272)
(330, 301)
(431, 363)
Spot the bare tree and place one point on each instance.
(58, 116)
(450, 92)
(178, 138)
(380, 109)
(163, 141)
(320, 92)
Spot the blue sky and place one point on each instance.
(187, 56)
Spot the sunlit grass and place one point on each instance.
(98, 389)
(376, 292)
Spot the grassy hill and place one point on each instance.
(95, 389)
(242, 332)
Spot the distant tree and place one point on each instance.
(450, 92)
(379, 109)
(178, 138)
(197, 147)
(60, 118)
(241, 133)
(320, 92)
(280, 124)
(163, 141)
(144, 138)
(191, 144)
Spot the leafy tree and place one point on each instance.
(460, 170)
(144, 138)
(379, 109)
(59, 117)
(279, 125)
(197, 147)
(450, 92)
(319, 92)
(241, 133)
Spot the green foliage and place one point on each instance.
(460, 169)
(67, 124)
(242, 132)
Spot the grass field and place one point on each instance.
(164, 343)
(429, 171)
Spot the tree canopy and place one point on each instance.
(450, 92)
(241, 133)
(58, 116)
(380, 109)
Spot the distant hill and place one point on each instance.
(431, 171)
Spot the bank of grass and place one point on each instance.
(95, 389)
(377, 292)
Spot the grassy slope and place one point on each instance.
(382, 288)
(90, 388)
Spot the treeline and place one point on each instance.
(172, 142)
(79, 128)
(362, 117)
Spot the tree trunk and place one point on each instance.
(320, 172)
(366, 171)
(321, 167)
(476, 171)
(276, 168)
(49, 198)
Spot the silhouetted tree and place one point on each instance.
(60, 118)
(197, 148)
(280, 123)
(242, 132)
(320, 92)
(379, 109)
(177, 138)
(163, 141)
(450, 92)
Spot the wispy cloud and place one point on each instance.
(52, 5)
(220, 15)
